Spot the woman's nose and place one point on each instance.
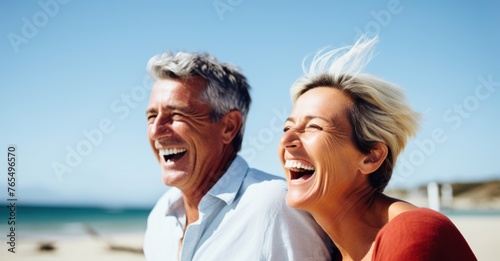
(290, 140)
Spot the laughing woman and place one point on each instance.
(338, 150)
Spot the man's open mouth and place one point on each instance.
(172, 154)
(299, 169)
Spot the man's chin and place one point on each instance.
(173, 178)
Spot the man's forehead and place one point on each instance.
(193, 85)
(176, 93)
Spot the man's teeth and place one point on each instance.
(171, 151)
(289, 164)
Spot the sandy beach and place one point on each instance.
(124, 247)
(482, 234)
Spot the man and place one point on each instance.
(218, 208)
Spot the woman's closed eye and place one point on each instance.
(314, 127)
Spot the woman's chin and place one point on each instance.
(297, 199)
(301, 191)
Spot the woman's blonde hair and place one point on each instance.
(379, 112)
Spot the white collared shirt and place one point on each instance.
(243, 217)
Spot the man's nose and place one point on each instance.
(161, 127)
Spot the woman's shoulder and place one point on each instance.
(418, 224)
(422, 233)
(420, 216)
(402, 213)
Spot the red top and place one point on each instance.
(421, 234)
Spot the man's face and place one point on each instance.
(187, 144)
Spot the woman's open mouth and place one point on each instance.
(299, 170)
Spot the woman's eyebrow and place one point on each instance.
(310, 117)
(307, 117)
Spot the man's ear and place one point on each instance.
(375, 158)
(231, 125)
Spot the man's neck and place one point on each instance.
(192, 197)
(192, 213)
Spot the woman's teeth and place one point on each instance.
(294, 164)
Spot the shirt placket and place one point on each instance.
(195, 231)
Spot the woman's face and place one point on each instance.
(321, 162)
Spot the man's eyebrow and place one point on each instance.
(183, 109)
(168, 107)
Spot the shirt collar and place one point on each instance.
(175, 203)
(225, 189)
(229, 184)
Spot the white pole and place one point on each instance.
(433, 195)
(447, 195)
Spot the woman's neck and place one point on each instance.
(353, 221)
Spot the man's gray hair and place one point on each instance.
(227, 88)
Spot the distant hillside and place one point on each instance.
(470, 195)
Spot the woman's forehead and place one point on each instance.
(324, 101)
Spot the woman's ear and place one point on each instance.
(374, 158)
(231, 125)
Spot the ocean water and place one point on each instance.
(471, 212)
(60, 222)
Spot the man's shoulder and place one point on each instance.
(263, 192)
(265, 195)
(264, 182)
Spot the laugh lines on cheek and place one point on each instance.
(325, 165)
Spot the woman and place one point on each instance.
(338, 150)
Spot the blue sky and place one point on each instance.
(74, 90)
